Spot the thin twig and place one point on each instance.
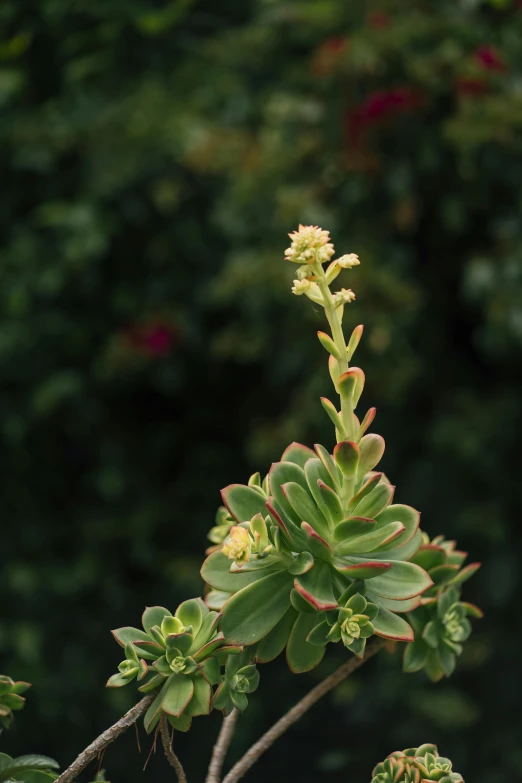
(220, 748)
(167, 747)
(293, 715)
(100, 743)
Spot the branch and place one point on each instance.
(220, 748)
(167, 747)
(95, 748)
(293, 715)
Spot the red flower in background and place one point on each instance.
(154, 339)
(380, 106)
(489, 59)
(378, 20)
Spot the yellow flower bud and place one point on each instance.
(238, 546)
(309, 244)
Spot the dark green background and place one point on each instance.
(153, 157)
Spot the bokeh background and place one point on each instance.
(154, 156)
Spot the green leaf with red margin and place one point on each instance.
(402, 581)
(316, 587)
(329, 465)
(129, 635)
(443, 574)
(316, 473)
(183, 723)
(377, 539)
(465, 574)
(365, 569)
(252, 613)
(398, 512)
(353, 527)
(243, 502)
(366, 489)
(332, 502)
(216, 572)
(299, 603)
(298, 454)
(191, 613)
(429, 556)
(315, 543)
(399, 607)
(281, 473)
(346, 454)
(153, 615)
(275, 641)
(375, 502)
(301, 564)
(200, 701)
(390, 626)
(401, 552)
(177, 694)
(372, 448)
(305, 507)
(300, 655)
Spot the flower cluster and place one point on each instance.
(310, 244)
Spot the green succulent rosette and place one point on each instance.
(11, 699)
(441, 627)
(441, 621)
(300, 543)
(240, 678)
(416, 765)
(177, 655)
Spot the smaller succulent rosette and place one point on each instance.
(240, 678)
(416, 765)
(11, 699)
(441, 627)
(177, 656)
(441, 621)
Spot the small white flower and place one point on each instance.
(348, 261)
(309, 244)
(300, 287)
(344, 296)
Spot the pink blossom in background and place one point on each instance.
(489, 59)
(155, 339)
(380, 106)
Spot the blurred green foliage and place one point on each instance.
(153, 157)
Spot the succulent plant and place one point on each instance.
(240, 677)
(27, 769)
(11, 699)
(441, 621)
(297, 550)
(441, 627)
(444, 563)
(176, 655)
(320, 523)
(416, 765)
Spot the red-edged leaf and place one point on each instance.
(429, 556)
(298, 454)
(389, 626)
(353, 526)
(346, 455)
(316, 587)
(465, 574)
(366, 570)
(243, 502)
(315, 543)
